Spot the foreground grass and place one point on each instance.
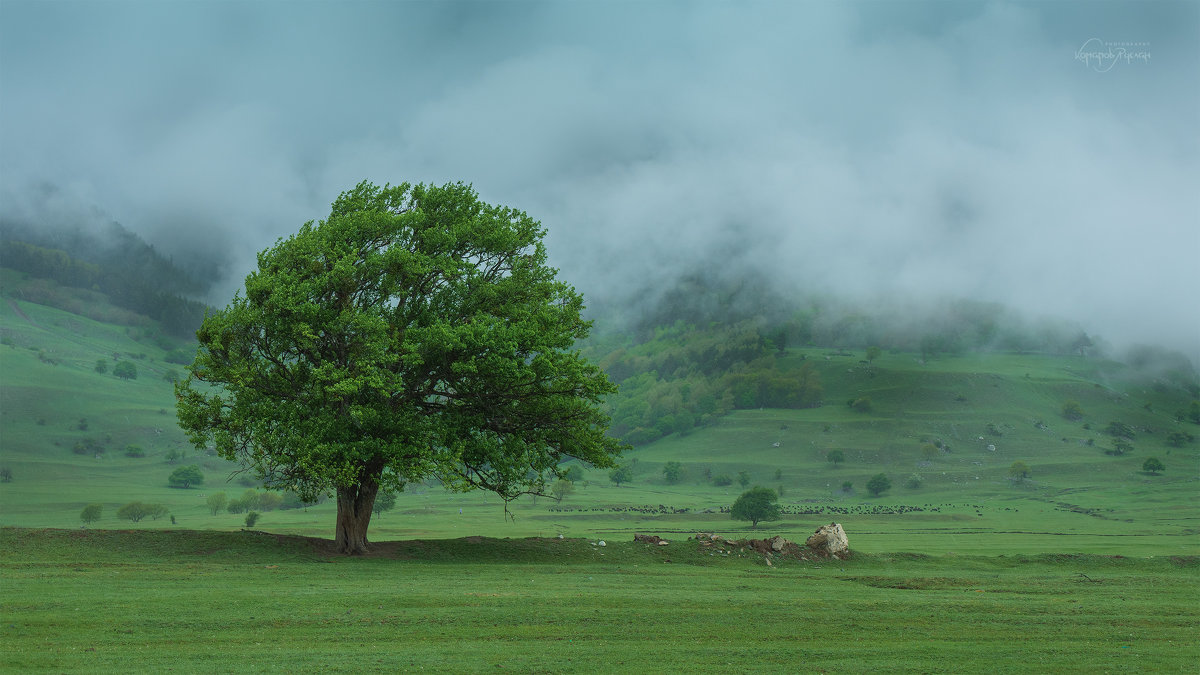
(97, 601)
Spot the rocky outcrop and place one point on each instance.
(650, 539)
(829, 539)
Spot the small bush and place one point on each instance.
(835, 457)
(251, 518)
(6, 475)
(913, 482)
(861, 404)
(1072, 410)
(134, 451)
(1152, 465)
(723, 480)
(136, 511)
(101, 366)
(879, 484)
(672, 472)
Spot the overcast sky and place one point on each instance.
(988, 150)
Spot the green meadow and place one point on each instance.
(1089, 564)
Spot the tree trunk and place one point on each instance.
(354, 515)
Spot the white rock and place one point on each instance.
(602, 543)
(830, 539)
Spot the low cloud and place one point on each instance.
(918, 150)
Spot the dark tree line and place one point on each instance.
(133, 275)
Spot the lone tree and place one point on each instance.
(879, 484)
(125, 370)
(756, 504)
(835, 457)
(1152, 466)
(417, 332)
(1019, 471)
(621, 474)
(672, 472)
(91, 513)
(185, 477)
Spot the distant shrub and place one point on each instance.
(101, 366)
(861, 404)
(930, 451)
(384, 501)
(574, 473)
(562, 489)
(236, 506)
(136, 511)
(87, 446)
(743, 478)
(82, 425)
(6, 475)
(1019, 471)
(835, 457)
(1118, 429)
(125, 370)
(672, 472)
(778, 476)
(171, 376)
(1152, 465)
(1072, 410)
(621, 474)
(180, 357)
(1120, 447)
(723, 480)
(215, 502)
(269, 501)
(879, 484)
(1178, 439)
(847, 486)
(185, 477)
(292, 500)
(134, 451)
(992, 430)
(91, 513)
(913, 482)
(251, 518)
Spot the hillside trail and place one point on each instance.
(23, 315)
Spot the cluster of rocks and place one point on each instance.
(828, 541)
(650, 539)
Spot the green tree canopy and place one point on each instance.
(835, 457)
(621, 474)
(1019, 471)
(416, 332)
(185, 477)
(756, 504)
(879, 484)
(91, 513)
(125, 370)
(672, 472)
(1152, 465)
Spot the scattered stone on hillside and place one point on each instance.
(663, 542)
(829, 539)
(650, 539)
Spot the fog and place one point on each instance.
(1043, 155)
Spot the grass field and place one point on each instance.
(152, 601)
(1089, 565)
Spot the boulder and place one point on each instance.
(829, 539)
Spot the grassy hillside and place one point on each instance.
(981, 411)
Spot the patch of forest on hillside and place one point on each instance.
(117, 264)
(710, 344)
